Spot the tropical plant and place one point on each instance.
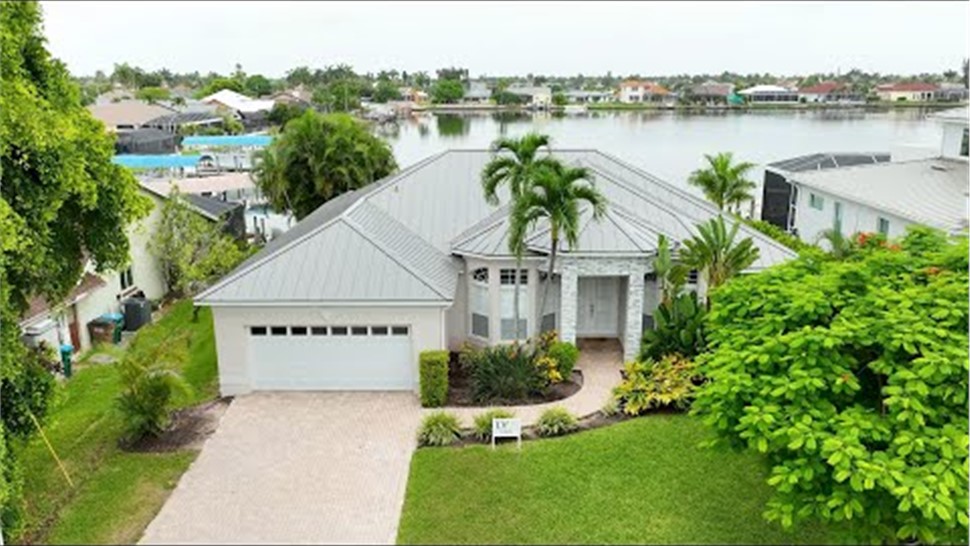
(556, 195)
(723, 182)
(560, 99)
(650, 384)
(318, 157)
(503, 373)
(218, 84)
(385, 91)
(565, 355)
(679, 327)
(482, 429)
(283, 113)
(513, 164)
(714, 252)
(433, 371)
(447, 92)
(439, 428)
(851, 377)
(838, 246)
(191, 250)
(257, 85)
(671, 275)
(150, 387)
(556, 421)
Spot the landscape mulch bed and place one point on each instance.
(460, 389)
(189, 429)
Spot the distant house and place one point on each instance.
(632, 91)
(146, 141)
(296, 96)
(114, 95)
(828, 92)
(912, 92)
(888, 196)
(412, 94)
(477, 92)
(588, 97)
(761, 94)
(712, 92)
(779, 194)
(951, 92)
(251, 112)
(127, 114)
(536, 96)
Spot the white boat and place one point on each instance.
(575, 109)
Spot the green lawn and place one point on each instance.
(640, 481)
(115, 494)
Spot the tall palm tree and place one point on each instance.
(714, 251)
(513, 163)
(556, 195)
(724, 182)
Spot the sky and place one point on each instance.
(492, 38)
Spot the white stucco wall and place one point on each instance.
(952, 139)
(856, 217)
(231, 323)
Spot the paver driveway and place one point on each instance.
(297, 468)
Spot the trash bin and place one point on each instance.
(67, 350)
(138, 312)
(119, 322)
(101, 330)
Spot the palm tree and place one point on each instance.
(516, 168)
(839, 245)
(556, 195)
(724, 182)
(714, 251)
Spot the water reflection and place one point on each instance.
(452, 125)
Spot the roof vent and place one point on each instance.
(938, 168)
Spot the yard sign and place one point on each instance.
(507, 428)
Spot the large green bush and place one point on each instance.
(678, 328)
(649, 384)
(504, 373)
(851, 377)
(439, 429)
(433, 368)
(565, 354)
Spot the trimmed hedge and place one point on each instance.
(433, 368)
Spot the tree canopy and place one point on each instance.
(386, 91)
(62, 200)
(318, 157)
(851, 376)
(219, 84)
(447, 92)
(723, 181)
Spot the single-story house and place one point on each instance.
(712, 92)
(769, 94)
(779, 194)
(580, 96)
(127, 114)
(913, 91)
(477, 92)
(537, 96)
(296, 96)
(828, 92)
(350, 296)
(951, 92)
(643, 91)
(251, 112)
(887, 197)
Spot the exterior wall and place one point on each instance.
(855, 217)
(952, 140)
(459, 333)
(905, 95)
(457, 321)
(232, 346)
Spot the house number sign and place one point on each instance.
(507, 428)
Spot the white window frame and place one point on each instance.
(507, 299)
(478, 301)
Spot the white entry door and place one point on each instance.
(330, 357)
(598, 311)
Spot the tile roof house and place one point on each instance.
(912, 91)
(127, 114)
(643, 91)
(712, 92)
(420, 261)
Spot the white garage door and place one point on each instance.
(330, 357)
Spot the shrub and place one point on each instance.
(556, 421)
(439, 429)
(433, 369)
(650, 384)
(610, 408)
(565, 354)
(504, 373)
(678, 328)
(150, 387)
(483, 423)
(778, 234)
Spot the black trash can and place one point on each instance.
(138, 312)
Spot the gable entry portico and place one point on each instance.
(602, 287)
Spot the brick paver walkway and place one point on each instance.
(600, 360)
(311, 467)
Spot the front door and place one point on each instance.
(598, 311)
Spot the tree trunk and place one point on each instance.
(515, 299)
(545, 289)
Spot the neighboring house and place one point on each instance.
(412, 94)
(828, 92)
(887, 197)
(761, 94)
(912, 92)
(127, 114)
(779, 195)
(951, 92)
(350, 296)
(536, 96)
(297, 96)
(643, 91)
(712, 92)
(175, 122)
(580, 96)
(115, 95)
(251, 112)
(146, 141)
(477, 92)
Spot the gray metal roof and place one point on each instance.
(393, 241)
(933, 192)
(819, 161)
(210, 207)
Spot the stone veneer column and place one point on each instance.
(634, 315)
(568, 300)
